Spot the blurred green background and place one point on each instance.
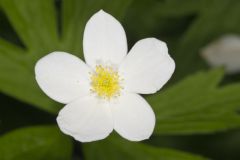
(197, 112)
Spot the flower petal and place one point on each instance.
(86, 119)
(133, 117)
(147, 67)
(104, 40)
(62, 76)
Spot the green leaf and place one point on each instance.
(197, 105)
(36, 25)
(118, 149)
(38, 31)
(36, 143)
(17, 77)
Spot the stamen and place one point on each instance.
(105, 82)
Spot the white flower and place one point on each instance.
(225, 51)
(102, 94)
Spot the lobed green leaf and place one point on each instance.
(118, 149)
(197, 105)
(38, 143)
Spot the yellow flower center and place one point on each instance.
(105, 82)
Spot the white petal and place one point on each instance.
(147, 67)
(133, 117)
(86, 119)
(104, 40)
(224, 51)
(62, 76)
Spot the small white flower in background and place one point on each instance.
(102, 94)
(224, 52)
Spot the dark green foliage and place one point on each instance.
(35, 143)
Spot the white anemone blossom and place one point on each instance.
(103, 94)
(225, 52)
